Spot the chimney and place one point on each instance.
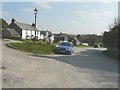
(13, 20)
(33, 24)
(60, 32)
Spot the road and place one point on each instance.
(86, 68)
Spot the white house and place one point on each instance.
(26, 31)
(47, 35)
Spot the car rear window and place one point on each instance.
(66, 44)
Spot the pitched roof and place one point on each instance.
(63, 35)
(44, 32)
(25, 26)
(56, 35)
(12, 31)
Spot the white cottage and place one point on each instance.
(26, 31)
(47, 35)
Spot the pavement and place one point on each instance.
(86, 68)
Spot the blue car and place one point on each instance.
(64, 48)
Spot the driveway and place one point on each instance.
(86, 68)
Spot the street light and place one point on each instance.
(35, 11)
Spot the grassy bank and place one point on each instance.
(37, 48)
(82, 46)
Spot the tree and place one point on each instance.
(3, 23)
(91, 39)
(110, 39)
(106, 39)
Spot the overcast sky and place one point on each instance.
(69, 17)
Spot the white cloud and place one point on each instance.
(81, 0)
(27, 10)
(93, 13)
(106, 2)
(107, 13)
(80, 12)
(43, 4)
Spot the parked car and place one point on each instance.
(64, 48)
(96, 46)
(85, 44)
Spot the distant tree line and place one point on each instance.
(91, 39)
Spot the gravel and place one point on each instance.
(86, 68)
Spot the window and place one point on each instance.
(37, 32)
(61, 38)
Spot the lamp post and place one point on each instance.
(35, 11)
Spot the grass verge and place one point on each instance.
(32, 48)
(82, 46)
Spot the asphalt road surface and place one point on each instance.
(86, 68)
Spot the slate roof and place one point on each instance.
(56, 35)
(12, 31)
(63, 35)
(44, 33)
(25, 26)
